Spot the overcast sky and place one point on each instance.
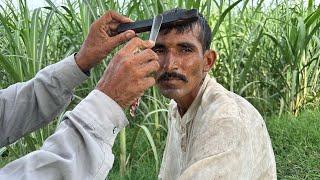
(40, 3)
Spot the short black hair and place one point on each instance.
(205, 35)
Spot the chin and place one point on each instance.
(172, 93)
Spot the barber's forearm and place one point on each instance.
(100, 115)
(81, 148)
(26, 106)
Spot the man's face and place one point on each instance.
(181, 62)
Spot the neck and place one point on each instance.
(185, 102)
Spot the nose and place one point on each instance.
(169, 62)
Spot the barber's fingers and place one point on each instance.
(148, 82)
(135, 44)
(144, 57)
(111, 16)
(110, 20)
(148, 68)
(113, 26)
(116, 40)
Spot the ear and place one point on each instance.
(210, 57)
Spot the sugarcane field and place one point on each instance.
(160, 89)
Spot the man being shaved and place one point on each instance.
(212, 132)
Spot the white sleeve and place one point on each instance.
(27, 106)
(81, 148)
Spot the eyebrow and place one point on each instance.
(181, 44)
(187, 44)
(159, 45)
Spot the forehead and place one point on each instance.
(174, 37)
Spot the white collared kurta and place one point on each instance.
(221, 136)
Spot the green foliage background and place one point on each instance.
(268, 53)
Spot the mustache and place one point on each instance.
(167, 75)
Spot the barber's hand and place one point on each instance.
(129, 73)
(99, 41)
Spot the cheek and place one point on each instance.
(194, 69)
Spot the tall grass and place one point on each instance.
(296, 145)
(268, 53)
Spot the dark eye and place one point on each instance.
(186, 49)
(158, 50)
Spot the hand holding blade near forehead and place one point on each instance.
(101, 40)
(128, 73)
(126, 77)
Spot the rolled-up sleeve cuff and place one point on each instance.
(100, 115)
(69, 72)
